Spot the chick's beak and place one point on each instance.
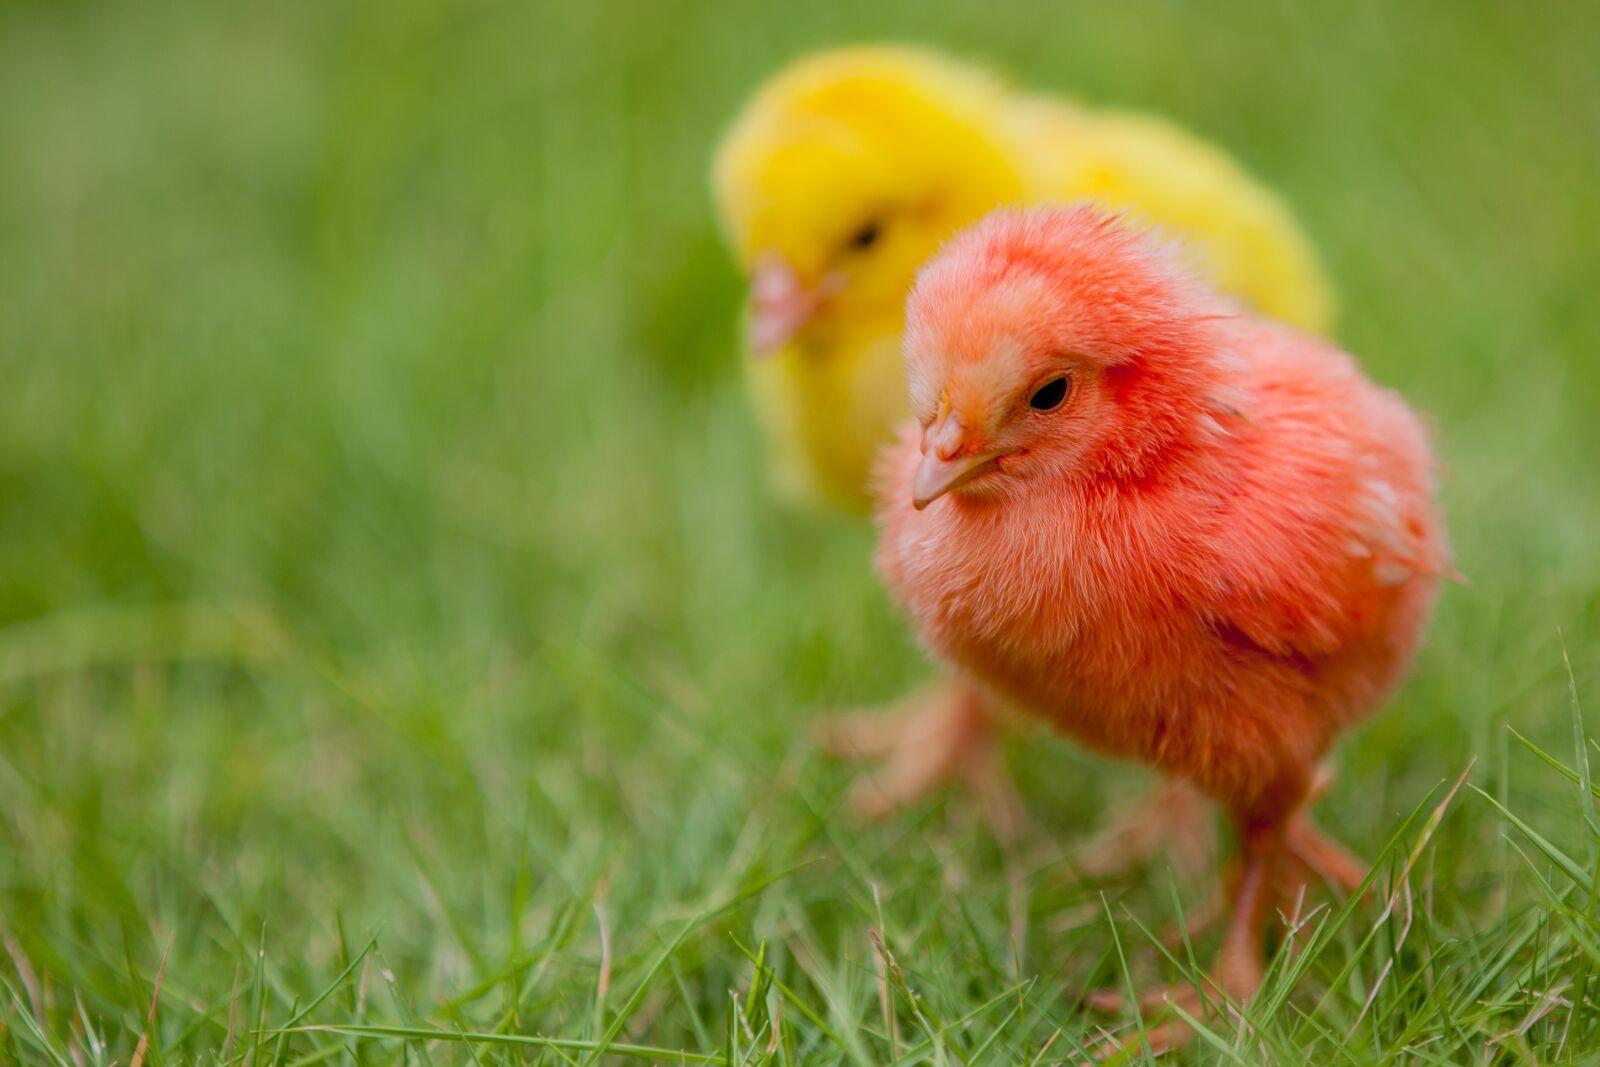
(948, 463)
(779, 304)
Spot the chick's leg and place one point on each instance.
(942, 733)
(1243, 958)
(1242, 961)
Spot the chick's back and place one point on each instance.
(1241, 235)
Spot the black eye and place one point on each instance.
(1049, 396)
(867, 236)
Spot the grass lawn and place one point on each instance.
(399, 636)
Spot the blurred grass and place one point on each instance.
(385, 548)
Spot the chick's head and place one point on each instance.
(1056, 343)
(844, 174)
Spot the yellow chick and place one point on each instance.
(848, 169)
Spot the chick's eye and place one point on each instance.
(1049, 396)
(866, 236)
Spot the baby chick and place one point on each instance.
(1178, 532)
(838, 180)
(847, 170)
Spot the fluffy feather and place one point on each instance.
(904, 146)
(1216, 554)
(1219, 553)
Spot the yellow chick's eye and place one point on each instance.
(1050, 395)
(867, 236)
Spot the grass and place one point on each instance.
(403, 659)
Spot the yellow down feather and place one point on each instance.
(918, 146)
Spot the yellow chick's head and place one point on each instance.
(843, 175)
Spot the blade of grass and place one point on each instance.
(688, 927)
(425, 1034)
(337, 982)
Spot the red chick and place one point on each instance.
(1180, 533)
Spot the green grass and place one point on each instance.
(398, 635)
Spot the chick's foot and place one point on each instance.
(940, 734)
(1241, 963)
(1160, 1037)
(1173, 819)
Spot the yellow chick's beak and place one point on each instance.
(944, 467)
(779, 304)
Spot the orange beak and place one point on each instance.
(780, 305)
(948, 463)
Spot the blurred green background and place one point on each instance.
(385, 545)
